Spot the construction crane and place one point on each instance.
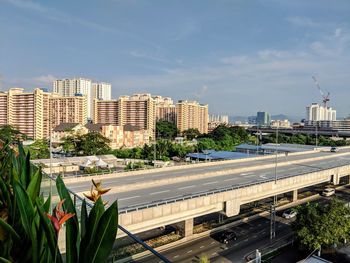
(326, 98)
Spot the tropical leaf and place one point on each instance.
(104, 237)
(95, 214)
(5, 226)
(27, 214)
(72, 226)
(33, 189)
(50, 233)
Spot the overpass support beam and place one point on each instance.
(232, 207)
(336, 179)
(295, 195)
(185, 227)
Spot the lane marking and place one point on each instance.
(201, 246)
(255, 236)
(212, 243)
(245, 240)
(214, 254)
(185, 187)
(176, 256)
(127, 198)
(189, 251)
(231, 179)
(155, 193)
(210, 183)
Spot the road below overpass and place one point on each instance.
(251, 235)
(219, 175)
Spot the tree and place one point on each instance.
(11, 134)
(39, 149)
(319, 225)
(92, 143)
(191, 133)
(206, 144)
(166, 130)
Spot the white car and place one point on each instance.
(288, 214)
(328, 192)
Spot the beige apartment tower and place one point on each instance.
(137, 110)
(68, 109)
(191, 114)
(165, 109)
(26, 111)
(107, 112)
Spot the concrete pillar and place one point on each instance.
(232, 207)
(295, 195)
(185, 227)
(348, 179)
(336, 179)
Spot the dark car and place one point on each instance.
(227, 236)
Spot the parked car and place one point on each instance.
(334, 149)
(328, 192)
(227, 236)
(288, 214)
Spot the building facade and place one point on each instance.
(72, 87)
(72, 109)
(316, 112)
(165, 109)
(101, 91)
(191, 114)
(137, 110)
(26, 111)
(262, 118)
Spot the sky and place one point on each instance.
(238, 56)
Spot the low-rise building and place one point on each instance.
(64, 130)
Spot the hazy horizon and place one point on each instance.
(238, 56)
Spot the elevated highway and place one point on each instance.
(158, 197)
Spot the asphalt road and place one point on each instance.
(250, 236)
(161, 192)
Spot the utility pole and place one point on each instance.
(274, 203)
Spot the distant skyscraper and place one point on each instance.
(262, 118)
(72, 87)
(316, 112)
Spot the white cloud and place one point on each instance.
(45, 79)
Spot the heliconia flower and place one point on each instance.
(96, 193)
(59, 217)
(99, 188)
(93, 195)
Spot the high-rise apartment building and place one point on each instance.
(76, 86)
(26, 111)
(316, 112)
(191, 114)
(165, 109)
(101, 91)
(137, 110)
(107, 112)
(71, 109)
(263, 118)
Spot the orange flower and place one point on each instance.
(96, 193)
(59, 216)
(98, 187)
